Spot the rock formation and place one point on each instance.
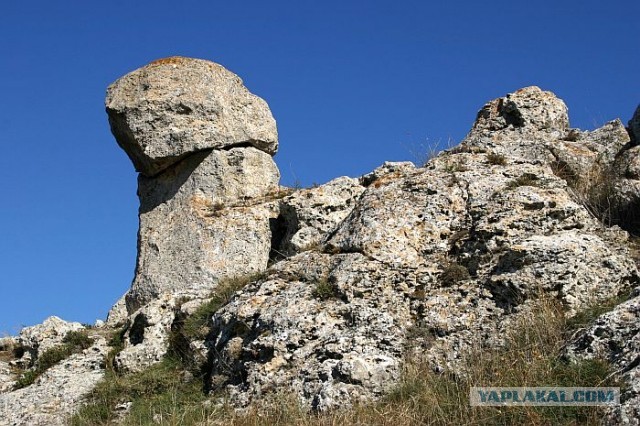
(333, 323)
(355, 274)
(203, 144)
(176, 106)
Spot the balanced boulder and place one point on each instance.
(175, 106)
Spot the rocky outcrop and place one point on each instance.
(35, 340)
(355, 275)
(308, 215)
(451, 253)
(615, 336)
(203, 144)
(634, 127)
(203, 220)
(176, 106)
(58, 392)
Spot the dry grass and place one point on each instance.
(596, 191)
(496, 159)
(526, 179)
(530, 356)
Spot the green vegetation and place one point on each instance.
(325, 290)
(195, 326)
(588, 315)
(168, 393)
(163, 393)
(72, 343)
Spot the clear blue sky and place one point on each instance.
(351, 84)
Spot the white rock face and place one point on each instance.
(176, 106)
(615, 336)
(311, 214)
(529, 107)
(58, 392)
(202, 220)
(203, 145)
(146, 339)
(37, 339)
(334, 324)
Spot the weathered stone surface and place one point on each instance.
(311, 214)
(147, 338)
(334, 326)
(7, 377)
(58, 392)
(176, 106)
(118, 313)
(529, 107)
(591, 152)
(615, 336)
(204, 219)
(38, 338)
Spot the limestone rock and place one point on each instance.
(38, 338)
(176, 106)
(311, 214)
(529, 107)
(334, 326)
(615, 336)
(58, 392)
(204, 219)
(118, 313)
(389, 169)
(146, 340)
(591, 152)
(330, 350)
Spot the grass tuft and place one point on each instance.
(496, 159)
(73, 342)
(326, 290)
(526, 179)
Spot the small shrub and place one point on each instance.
(78, 340)
(454, 273)
(526, 179)
(325, 290)
(455, 166)
(496, 159)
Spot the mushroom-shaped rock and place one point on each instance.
(530, 107)
(175, 106)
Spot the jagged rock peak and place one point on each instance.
(530, 108)
(175, 106)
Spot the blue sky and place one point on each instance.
(351, 83)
